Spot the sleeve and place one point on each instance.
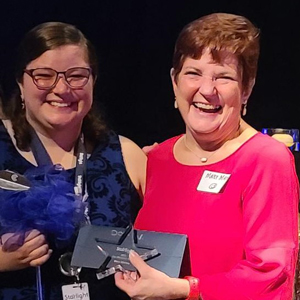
(270, 221)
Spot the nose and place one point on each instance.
(61, 85)
(207, 86)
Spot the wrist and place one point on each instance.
(178, 288)
(194, 291)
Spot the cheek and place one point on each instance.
(30, 92)
(187, 90)
(232, 98)
(86, 100)
(33, 96)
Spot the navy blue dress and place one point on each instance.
(113, 201)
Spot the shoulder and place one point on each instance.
(6, 125)
(163, 149)
(263, 154)
(259, 145)
(7, 132)
(135, 162)
(266, 147)
(131, 152)
(128, 145)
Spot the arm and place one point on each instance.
(135, 162)
(34, 252)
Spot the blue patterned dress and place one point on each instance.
(113, 201)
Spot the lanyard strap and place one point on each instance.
(39, 152)
(42, 158)
(80, 171)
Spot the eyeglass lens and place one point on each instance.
(46, 78)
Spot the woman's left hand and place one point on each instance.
(148, 283)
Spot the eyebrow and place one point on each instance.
(223, 72)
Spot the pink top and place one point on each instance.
(243, 240)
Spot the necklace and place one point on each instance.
(203, 159)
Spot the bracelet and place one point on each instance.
(194, 288)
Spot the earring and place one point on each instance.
(175, 104)
(22, 103)
(244, 109)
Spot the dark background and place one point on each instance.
(135, 40)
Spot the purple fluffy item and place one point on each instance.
(49, 206)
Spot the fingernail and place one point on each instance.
(132, 253)
(133, 276)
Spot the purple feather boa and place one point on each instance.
(49, 206)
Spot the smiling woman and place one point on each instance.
(231, 190)
(51, 121)
(51, 100)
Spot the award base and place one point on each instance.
(106, 249)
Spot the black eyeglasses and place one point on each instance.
(47, 78)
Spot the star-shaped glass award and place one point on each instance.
(115, 247)
(106, 249)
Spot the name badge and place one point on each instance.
(212, 182)
(76, 291)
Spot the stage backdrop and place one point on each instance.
(134, 41)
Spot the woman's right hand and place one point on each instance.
(148, 283)
(34, 252)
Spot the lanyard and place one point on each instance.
(80, 171)
(42, 158)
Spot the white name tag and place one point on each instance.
(212, 182)
(76, 291)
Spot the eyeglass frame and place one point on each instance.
(30, 71)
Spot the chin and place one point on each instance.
(62, 125)
(204, 128)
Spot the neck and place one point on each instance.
(60, 144)
(59, 153)
(210, 142)
(63, 138)
(67, 143)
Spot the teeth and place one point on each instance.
(60, 104)
(206, 106)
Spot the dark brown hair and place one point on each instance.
(220, 32)
(44, 37)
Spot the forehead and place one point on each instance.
(216, 58)
(61, 58)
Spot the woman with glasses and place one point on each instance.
(231, 190)
(50, 121)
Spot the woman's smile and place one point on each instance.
(207, 107)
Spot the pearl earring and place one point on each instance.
(244, 109)
(175, 104)
(22, 102)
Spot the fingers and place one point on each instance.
(125, 282)
(35, 250)
(13, 241)
(138, 263)
(22, 258)
(41, 260)
(147, 149)
(32, 234)
(35, 245)
(134, 276)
